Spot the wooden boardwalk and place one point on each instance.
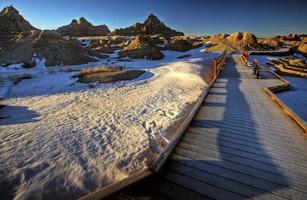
(240, 145)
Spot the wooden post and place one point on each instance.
(255, 68)
(214, 68)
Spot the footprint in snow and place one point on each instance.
(150, 127)
(168, 113)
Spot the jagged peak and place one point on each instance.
(152, 19)
(9, 10)
(79, 21)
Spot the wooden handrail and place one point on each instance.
(217, 65)
(245, 55)
(258, 68)
(271, 90)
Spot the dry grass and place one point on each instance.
(100, 69)
(110, 76)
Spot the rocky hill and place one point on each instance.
(236, 41)
(151, 26)
(45, 44)
(81, 27)
(245, 40)
(142, 47)
(12, 23)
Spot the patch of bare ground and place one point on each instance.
(106, 74)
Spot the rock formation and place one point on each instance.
(45, 44)
(81, 27)
(269, 43)
(245, 40)
(141, 48)
(302, 48)
(12, 23)
(151, 26)
(183, 43)
(236, 41)
(290, 66)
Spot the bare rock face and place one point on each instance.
(45, 44)
(141, 48)
(234, 42)
(270, 43)
(108, 44)
(81, 28)
(179, 44)
(302, 48)
(219, 36)
(291, 37)
(151, 26)
(12, 23)
(246, 40)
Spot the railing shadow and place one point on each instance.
(230, 151)
(221, 156)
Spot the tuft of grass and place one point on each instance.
(100, 69)
(108, 77)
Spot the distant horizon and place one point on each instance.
(271, 19)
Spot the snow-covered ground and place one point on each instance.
(63, 139)
(296, 97)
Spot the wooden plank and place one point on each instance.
(269, 162)
(221, 182)
(242, 121)
(217, 133)
(281, 178)
(279, 189)
(253, 172)
(237, 136)
(247, 162)
(258, 154)
(202, 188)
(249, 132)
(244, 145)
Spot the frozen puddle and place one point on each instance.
(64, 140)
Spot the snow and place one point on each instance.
(64, 139)
(160, 45)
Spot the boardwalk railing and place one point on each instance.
(279, 52)
(258, 68)
(217, 66)
(283, 86)
(167, 150)
(245, 55)
(218, 63)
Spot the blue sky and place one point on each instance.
(269, 17)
